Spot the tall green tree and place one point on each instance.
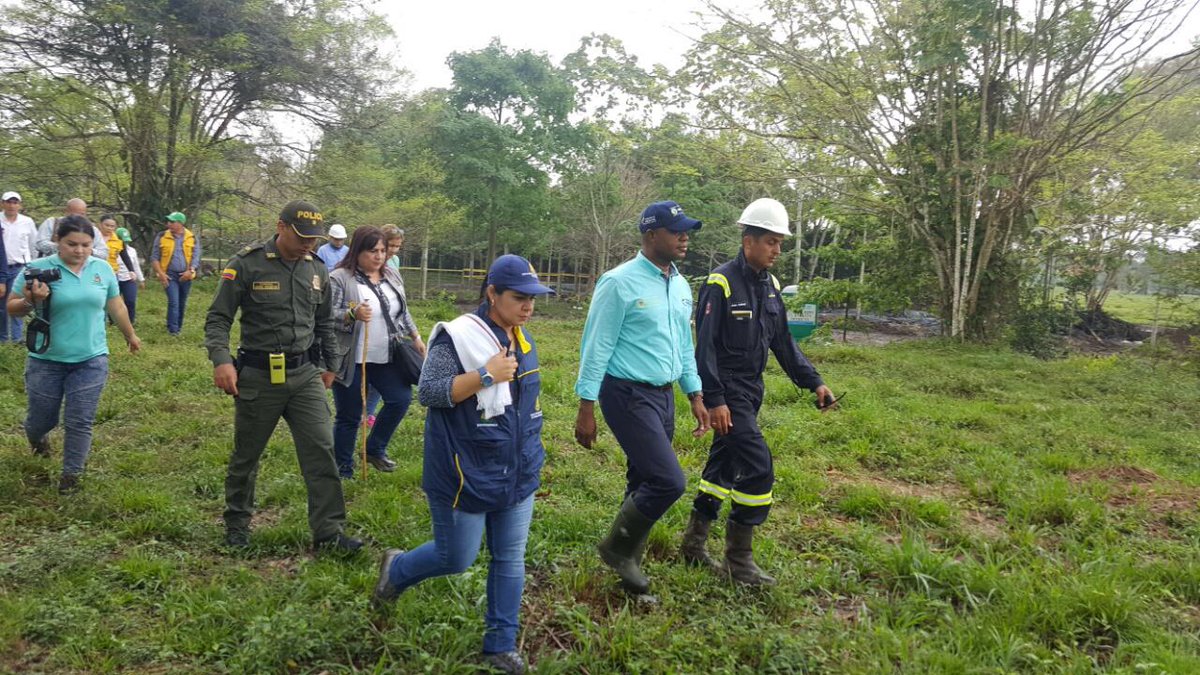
(957, 108)
(508, 125)
(171, 86)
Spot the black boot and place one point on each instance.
(739, 556)
(622, 548)
(693, 550)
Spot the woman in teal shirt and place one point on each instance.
(68, 373)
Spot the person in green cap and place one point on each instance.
(287, 359)
(125, 263)
(175, 259)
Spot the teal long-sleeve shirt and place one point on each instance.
(638, 328)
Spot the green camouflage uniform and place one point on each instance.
(285, 308)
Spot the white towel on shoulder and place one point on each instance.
(475, 344)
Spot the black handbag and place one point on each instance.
(407, 360)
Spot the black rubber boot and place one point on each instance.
(739, 556)
(623, 547)
(695, 537)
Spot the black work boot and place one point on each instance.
(622, 548)
(693, 550)
(739, 558)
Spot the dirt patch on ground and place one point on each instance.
(1118, 475)
(979, 521)
(987, 525)
(23, 657)
(547, 627)
(544, 630)
(944, 491)
(847, 610)
(1168, 501)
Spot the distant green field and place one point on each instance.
(1140, 309)
(967, 510)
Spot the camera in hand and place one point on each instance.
(46, 276)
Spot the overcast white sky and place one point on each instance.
(427, 31)
(656, 31)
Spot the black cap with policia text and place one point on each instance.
(304, 218)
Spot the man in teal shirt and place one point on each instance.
(637, 343)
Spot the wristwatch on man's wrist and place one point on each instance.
(485, 377)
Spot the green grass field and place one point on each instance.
(967, 510)
(1140, 309)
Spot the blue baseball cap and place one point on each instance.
(668, 215)
(512, 272)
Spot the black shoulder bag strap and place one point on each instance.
(384, 306)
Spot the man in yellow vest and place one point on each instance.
(175, 259)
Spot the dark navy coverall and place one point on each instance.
(739, 316)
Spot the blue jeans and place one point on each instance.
(373, 398)
(455, 544)
(177, 295)
(129, 291)
(11, 330)
(50, 384)
(348, 401)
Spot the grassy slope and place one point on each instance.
(966, 510)
(1140, 309)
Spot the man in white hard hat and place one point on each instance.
(739, 316)
(331, 253)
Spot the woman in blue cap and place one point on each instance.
(483, 453)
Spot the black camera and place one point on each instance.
(46, 276)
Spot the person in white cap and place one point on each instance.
(332, 252)
(18, 247)
(740, 317)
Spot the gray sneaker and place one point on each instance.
(385, 590)
(509, 663)
(68, 484)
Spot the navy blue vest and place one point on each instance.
(480, 465)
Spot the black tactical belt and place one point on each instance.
(262, 359)
(646, 385)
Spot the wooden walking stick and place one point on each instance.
(363, 373)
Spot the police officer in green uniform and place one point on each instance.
(288, 357)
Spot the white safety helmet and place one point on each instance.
(767, 214)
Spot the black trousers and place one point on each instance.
(739, 466)
(642, 418)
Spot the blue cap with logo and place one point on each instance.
(668, 215)
(512, 272)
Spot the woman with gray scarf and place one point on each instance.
(368, 298)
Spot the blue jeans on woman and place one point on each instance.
(455, 544)
(50, 384)
(129, 291)
(347, 399)
(177, 297)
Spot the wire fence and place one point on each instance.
(464, 282)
